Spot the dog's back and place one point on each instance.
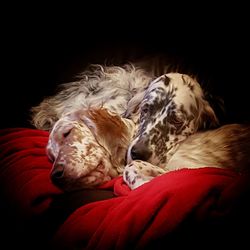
(225, 147)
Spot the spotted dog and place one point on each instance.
(88, 148)
(225, 147)
(172, 109)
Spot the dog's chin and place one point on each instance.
(96, 177)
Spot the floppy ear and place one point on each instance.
(111, 131)
(44, 116)
(208, 116)
(123, 142)
(134, 105)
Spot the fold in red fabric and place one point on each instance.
(148, 213)
(25, 169)
(133, 219)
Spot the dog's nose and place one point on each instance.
(140, 152)
(57, 172)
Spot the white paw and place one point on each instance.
(133, 176)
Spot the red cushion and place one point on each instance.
(134, 218)
(25, 169)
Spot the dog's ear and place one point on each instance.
(134, 105)
(205, 115)
(131, 127)
(111, 131)
(44, 115)
(208, 117)
(104, 125)
(119, 149)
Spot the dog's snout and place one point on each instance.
(57, 172)
(140, 152)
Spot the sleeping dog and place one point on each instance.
(88, 148)
(224, 147)
(172, 110)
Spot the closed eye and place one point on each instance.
(176, 121)
(66, 133)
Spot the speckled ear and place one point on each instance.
(205, 117)
(132, 127)
(44, 115)
(134, 105)
(209, 117)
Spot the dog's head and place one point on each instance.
(173, 108)
(88, 147)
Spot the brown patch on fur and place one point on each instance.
(110, 132)
(108, 126)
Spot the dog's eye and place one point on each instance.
(64, 131)
(66, 134)
(177, 120)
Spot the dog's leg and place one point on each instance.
(139, 172)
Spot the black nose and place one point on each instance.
(57, 172)
(140, 152)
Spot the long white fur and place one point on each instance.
(110, 87)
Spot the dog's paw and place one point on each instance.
(139, 172)
(132, 176)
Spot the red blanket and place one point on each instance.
(24, 172)
(144, 217)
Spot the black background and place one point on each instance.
(44, 46)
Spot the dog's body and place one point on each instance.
(224, 147)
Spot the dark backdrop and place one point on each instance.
(40, 51)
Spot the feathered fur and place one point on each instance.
(100, 86)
